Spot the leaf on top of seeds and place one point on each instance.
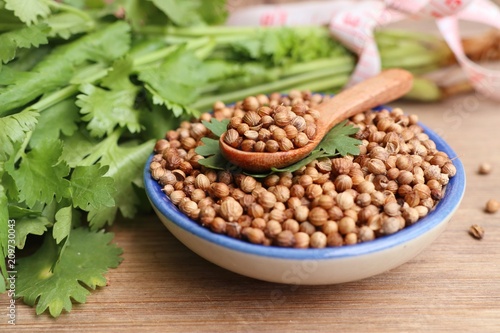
(215, 126)
(209, 147)
(213, 157)
(315, 154)
(339, 140)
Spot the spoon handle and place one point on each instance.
(387, 86)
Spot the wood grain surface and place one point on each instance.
(453, 286)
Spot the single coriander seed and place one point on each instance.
(484, 168)
(476, 231)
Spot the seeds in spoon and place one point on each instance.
(279, 127)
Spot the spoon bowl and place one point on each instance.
(383, 88)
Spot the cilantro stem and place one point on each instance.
(164, 52)
(54, 98)
(206, 102)
(230, 30)
(71, 9)
(70, 90)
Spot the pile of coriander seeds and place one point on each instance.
(263, 128)
(397, 178)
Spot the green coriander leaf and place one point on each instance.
(118, 77)
(35, 225)
(217, 162)
(339, 140)
(87, 257)
(9, 76)
(28, 11)
(215, 126)
(106, 109)
(56, 69)
(62, 226)
(177, 109)
(8, 183)
(213, 157)
(88, 73)
(125, 167)
(176, 82)
(7, 16)
(61, 230)
(60, 118)
(41, 174)
(25, 60)
(315, 154)
(13, 129)
(26, 37)
(17, 211)
(209, 147)
(157, 121)
(180, 12)
(67, 24)
(90, 189)
(77, 147)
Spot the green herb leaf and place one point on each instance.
(26, 37)
(77, 147)
(125, 165)
(86, 258)
(62, 226)
(315, 154)
(66, 24)
(13, 129)
(56, 69)
(106, 109)
(90, 189)
(35, 225)
(176, 82)
(60, 118)
(339, 140)
(180, 12)
(28, 11)
(210, 148)
(61, 231)
(215, 126)
(42, 166)
(213, 157)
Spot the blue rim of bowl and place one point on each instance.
(443, 210)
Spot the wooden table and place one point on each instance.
(453, 286)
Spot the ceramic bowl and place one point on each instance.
(312, 266)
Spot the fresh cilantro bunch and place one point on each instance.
(81, 102)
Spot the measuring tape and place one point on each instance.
(353, 23)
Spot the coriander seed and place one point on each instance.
(476, 231)
(492, 206)
(484, 168)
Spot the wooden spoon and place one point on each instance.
(383, 88)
